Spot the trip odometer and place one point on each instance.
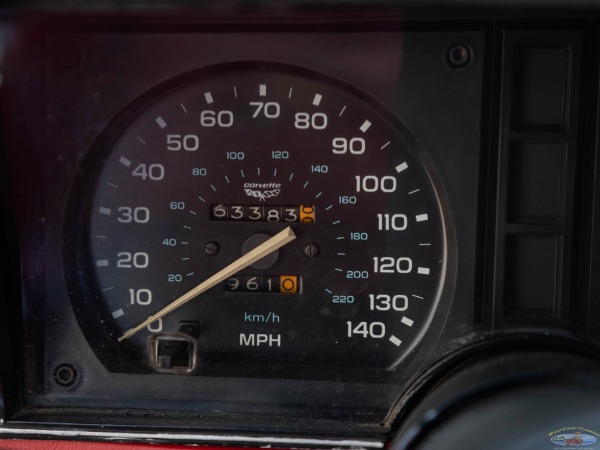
(208, 167)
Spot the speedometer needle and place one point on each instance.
(264, 249)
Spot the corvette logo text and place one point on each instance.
(262, 191)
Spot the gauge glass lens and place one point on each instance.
(205, 168)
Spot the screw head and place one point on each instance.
(212, 248)
(459, 55)
(66, 375)
(68, 56)
(312, 250)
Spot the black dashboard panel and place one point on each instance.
(438, 174)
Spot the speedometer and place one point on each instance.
(209, 166)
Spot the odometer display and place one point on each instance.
(205, 168)
(260, 213)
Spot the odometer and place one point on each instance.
(209, 166)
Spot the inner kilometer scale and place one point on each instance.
(260, 216)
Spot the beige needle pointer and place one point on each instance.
(267, 247)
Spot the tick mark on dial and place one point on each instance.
(317, 99)
(394, 340)
(365, 126)
(161, 122)
(401, 167)
(408, 322)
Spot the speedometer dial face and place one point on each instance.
(205, 168)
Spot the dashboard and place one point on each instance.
(297, 225)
